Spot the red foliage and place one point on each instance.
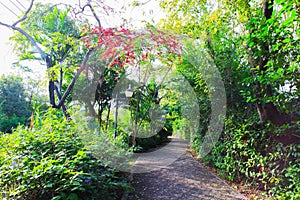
(133, 47)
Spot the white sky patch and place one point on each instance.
(7, 56)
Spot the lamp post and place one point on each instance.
(128, 94)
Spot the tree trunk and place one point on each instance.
(136, 128)
(107, 117)
(268, 111)
(51, 86)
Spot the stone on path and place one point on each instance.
(183, 178)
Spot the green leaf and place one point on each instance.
(286, 40)
(73, 196)
(49, 185)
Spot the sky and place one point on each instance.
(7, 56)
(11, 9)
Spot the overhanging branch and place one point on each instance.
(94, 13)
(34, 43)
(88, 4)
(25, 14)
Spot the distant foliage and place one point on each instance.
(14, 105)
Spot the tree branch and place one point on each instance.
(142, 4)
(34, 43)
(71, 85)
(64, 108)
(94, 13)
(25, 14)
(88, 4)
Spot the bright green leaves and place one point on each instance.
(182, 16)
(50, 162)
(52, 29)
(275, 40)
(56, 36)
(286, 40)
(54, 20)
(30, 55)
(259, 62)
(62, 20)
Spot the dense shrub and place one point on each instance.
(144, 144)
(7, 124)
(246, 153)
(51, 162)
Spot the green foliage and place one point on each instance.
(7, 125)
(246, 153)
(148, 116)
(51, 28)
(252, 54)
(280, 34)
(95, 87)
(51, 162)
(14, 107)
(58, 37)
(146, 138)
(239, 39)
(144, 144)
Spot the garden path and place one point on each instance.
(182, 179)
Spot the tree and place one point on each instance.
(254, 47)
(14, 105)
(273, 59)
(59, 44)
(47, 23)
(125, 48)
(94, 88)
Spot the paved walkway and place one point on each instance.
(181, 179)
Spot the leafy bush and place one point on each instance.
(51, 162)
(150, 135)
(7, 124)
(144, 144)
(246, 153)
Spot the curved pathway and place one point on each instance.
(184, 179)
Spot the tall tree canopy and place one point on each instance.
(48, 33)
(255, 45)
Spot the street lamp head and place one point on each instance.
(129, 92)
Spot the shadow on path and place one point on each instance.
(174, 174)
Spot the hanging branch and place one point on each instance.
(157, 88)
(34, 43)
(64, 108)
